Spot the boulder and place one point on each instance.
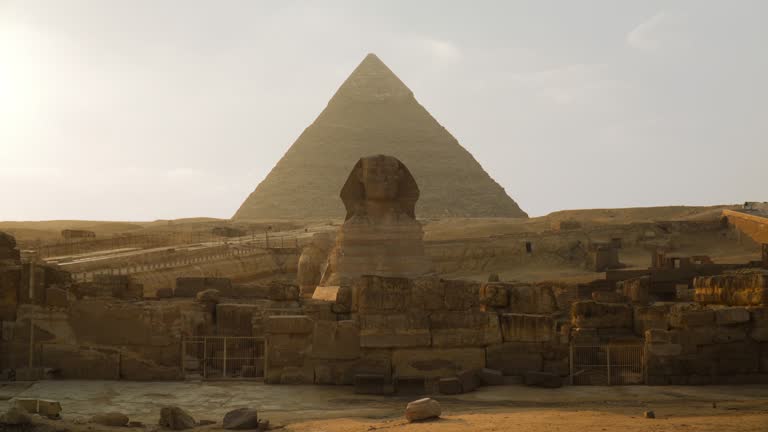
(208, 296)
(543, 379)
(241, 419)
(422, 409)
(15, 416)
(114, 419)
(175, 418)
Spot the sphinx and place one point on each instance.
(380, 235)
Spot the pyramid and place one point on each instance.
(373, 112)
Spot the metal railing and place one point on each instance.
(223, 357)
(607, 364)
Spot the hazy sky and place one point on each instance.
(140, 110)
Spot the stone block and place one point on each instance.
(236, 319)
(655, 336)
(759, 334)
(527, 328)
(288, 324)
(543, 379)
(336, 340)
(532, 299)
(585, 336)
(461, 295)
(378, 294)
(471, 328)
(372, 384)
(738, 288)
(163, 293)
(395, 330)
(637, 290)
(449, 386)
(515, 358)
(428, 294)
(689, 315)
(494, 294)
(27, 404)
(608, 297)
(490, 377)
(729, 334)
(651, 317)
(664, 349)
(436, 362)
(731, 315)
(469, 380)
(591, 314)
(48, 408)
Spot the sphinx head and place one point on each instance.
(380, 179)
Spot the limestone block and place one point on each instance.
(376, 294)
(536, 299)
(600, 315)
(608, 297)
(422, 409)
(288, 324)
(759, 334)
(729, 334)
(336, 340)
(739, 288)
(664, 349)
(461, 295)
(436, 362)
(651, 317)
(297, 375)
(27, 404)
(695, 336)
(656, 336)
(515, 358)
(208, 296)
(731, 315)
(287, 349)
(490, 377)
(449, 386)
(428, 294)
(469, 380)
(394, 330)
(585, 336)
(690, 315)
(470, 328)
(48, 408)
(527, 328)
(733, 358)
(494, 294)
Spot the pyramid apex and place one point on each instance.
(372, 80)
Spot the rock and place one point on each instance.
(208, 296)
(110, 419)
(543, 379)
(48, 408)
(27, 405)
(15, 416)
(422, 409)
(469, 381)
(241, 419)
(490, 377)
(175, 418)
(649, 414)
(449, 386)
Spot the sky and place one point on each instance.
(144, 110)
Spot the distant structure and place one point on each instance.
(373, 112)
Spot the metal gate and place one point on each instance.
(607, 364)
(223, 357)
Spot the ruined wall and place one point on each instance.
(396, 329)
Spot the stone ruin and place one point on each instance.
(369, 312)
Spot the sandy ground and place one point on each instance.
(337, 408)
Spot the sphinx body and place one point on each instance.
(380, 235)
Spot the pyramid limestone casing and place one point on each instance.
(373, 112)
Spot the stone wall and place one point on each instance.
(426, 328)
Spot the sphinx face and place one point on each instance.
(380, 177)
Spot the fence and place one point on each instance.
(223, 357)
(607, 364)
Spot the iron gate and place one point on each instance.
(607, 364)
(223, 357)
